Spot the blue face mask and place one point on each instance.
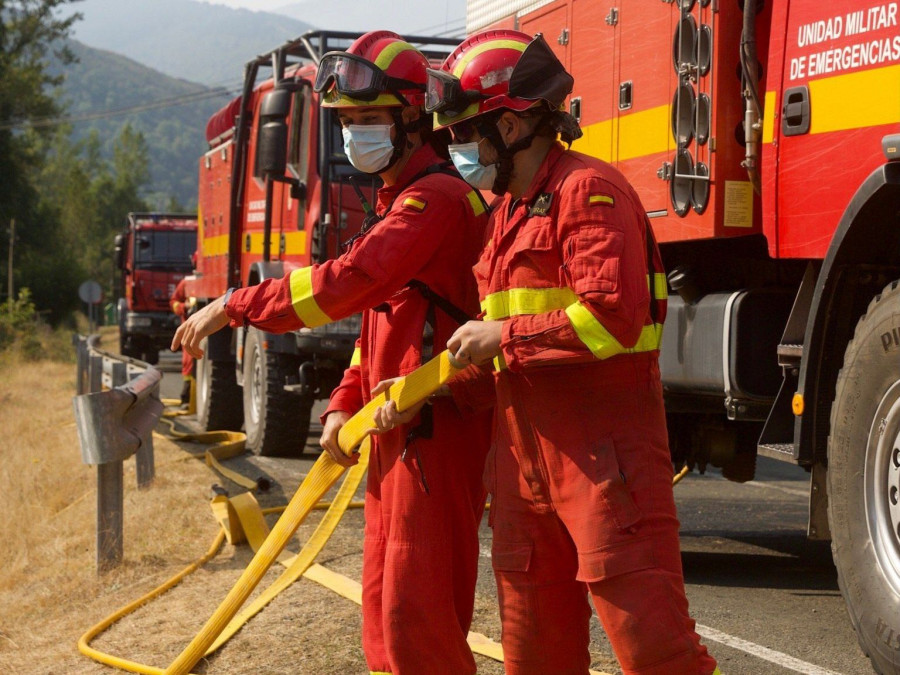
(465, 159)
(368, 146)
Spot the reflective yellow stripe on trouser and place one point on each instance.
(527, 301)
(408, 391)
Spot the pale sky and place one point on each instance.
(264, 5)
(432, 17)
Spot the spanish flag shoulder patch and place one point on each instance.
(415, 204)
(601, 200)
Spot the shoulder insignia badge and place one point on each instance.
(541, 206)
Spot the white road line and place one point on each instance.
(763, 653)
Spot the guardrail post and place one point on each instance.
(95, 374)
(144, 466)
(81, 364)
(110, 515)
(112, 426)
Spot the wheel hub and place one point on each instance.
(256, 387)
(882, 484)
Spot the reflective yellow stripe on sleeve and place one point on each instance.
(529, 301)
(601, 342)
(302, 299)
(518, 301)
(660, 286)
(356, 359)
(475, 202)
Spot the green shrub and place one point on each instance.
(21, 327)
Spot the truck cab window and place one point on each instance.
(165, 248)
(301, 122)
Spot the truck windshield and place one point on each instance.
(170, 249)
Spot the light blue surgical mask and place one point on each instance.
(368, 146)
(465, 159)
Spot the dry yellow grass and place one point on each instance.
(50, 593)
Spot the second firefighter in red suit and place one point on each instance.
(574, 295)
(424, 496)
(178, 303)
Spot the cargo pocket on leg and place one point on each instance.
(612, 487)
(511, 556)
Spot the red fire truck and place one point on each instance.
(153, 254)
(760, 135)
(275, 194)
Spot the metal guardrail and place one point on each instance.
(116, 407)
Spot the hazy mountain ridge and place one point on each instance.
(134, 54)
(104, 83)
(201, 43)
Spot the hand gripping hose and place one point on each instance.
(412, 389)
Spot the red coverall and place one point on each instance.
(178, 304)
(579, 474)
(425, 498)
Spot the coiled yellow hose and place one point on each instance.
(406, 392)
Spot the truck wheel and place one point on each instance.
(864, 480)
(218, 394)
(276, 421)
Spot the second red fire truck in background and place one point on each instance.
(153, 254)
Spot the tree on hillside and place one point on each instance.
(89, 198)
(31, 32)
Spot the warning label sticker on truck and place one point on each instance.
(738, 203)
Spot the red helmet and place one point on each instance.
(378, 69)
(494, 70)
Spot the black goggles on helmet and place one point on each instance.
(357, 78)
(444, 94)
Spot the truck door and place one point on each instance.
(553, 23)
(642, 92)
(293, 238)
(623, 84)
(837, 99)
(593, 66)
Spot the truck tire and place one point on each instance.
(219, 405)
(276, 421)
(864, 480)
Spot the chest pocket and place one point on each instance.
(533, 256)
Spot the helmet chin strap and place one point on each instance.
(506, 154)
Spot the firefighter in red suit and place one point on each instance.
(574, 297)
(425, 496)
(179, 306)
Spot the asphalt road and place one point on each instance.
(765, 599)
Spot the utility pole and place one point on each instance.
(12, 240)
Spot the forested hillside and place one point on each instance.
(170, 113)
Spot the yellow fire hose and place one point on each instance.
(241, 518)
(297, 565)
(412, 389)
